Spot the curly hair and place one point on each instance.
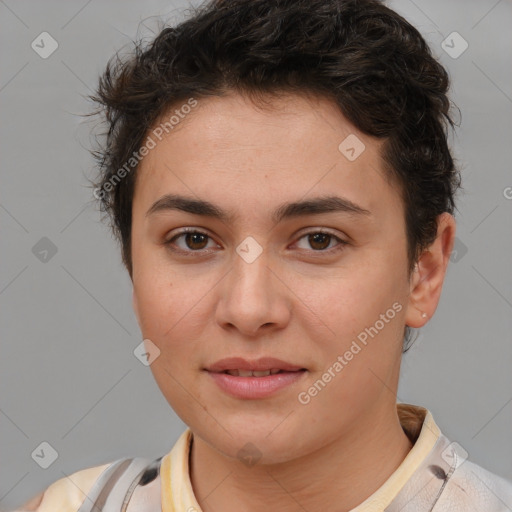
(373, 64)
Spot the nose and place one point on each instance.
(253, 298)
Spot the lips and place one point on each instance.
(238, 366)
(249, 373)
(257, 379)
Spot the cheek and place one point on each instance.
(359, 320)
(163, 296)
(155, 312)
(354, 301)
(173, 314)
(167, 316)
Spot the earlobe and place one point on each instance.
(427, 281)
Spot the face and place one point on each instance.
(322, 287)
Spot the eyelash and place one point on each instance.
(341, 245)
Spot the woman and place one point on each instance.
(279, 178)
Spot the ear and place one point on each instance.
(427, 281)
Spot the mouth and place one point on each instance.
(255, 373)
(238, 366)
(254, 379)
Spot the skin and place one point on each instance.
(299, 301)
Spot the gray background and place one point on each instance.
(68, 373)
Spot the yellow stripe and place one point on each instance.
(388, 491)
(165, 475)
(177, 493)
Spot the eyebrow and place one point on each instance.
(291, 210)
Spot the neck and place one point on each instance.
(339, 476)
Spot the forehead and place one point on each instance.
(230, 148)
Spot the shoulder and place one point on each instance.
(114, 483)
(472, 487)
(66, 494)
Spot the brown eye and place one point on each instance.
(189, 241)
(320, 241)
(195, 241)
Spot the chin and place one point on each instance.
(263, 444)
